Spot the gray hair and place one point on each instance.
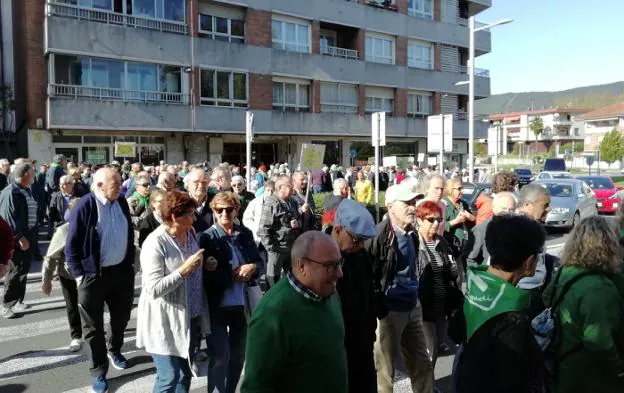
(190, 176)
(429, 178)
(4, 161)
(59, 158)
(21, 170)
(164, 176)
(531, 193)
(238, 178)
(270, 184)
(500, 197)
(66, 179)
(338, 184)
(142, 176)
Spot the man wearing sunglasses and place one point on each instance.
(353, 225)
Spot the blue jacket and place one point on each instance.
(82, 248)
(14, 210)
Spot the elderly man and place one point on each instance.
(305, 206)
(138, 201)
(221, 180)
(341, 191)
(502, 203)
(400, 329)
(59, 202)
(196, 182)
(100, 255)
(5, 169)
(166, 181)
(53, 176)
(353, 225)
(19, 209)
(129, 185)
(280, 224)
(296, 335)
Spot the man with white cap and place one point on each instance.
(400, 331)
(353, 225)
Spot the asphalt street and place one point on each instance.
(34, 357)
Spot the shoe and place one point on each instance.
(7, 313)
(201, 357)
(20, 306)
(75, 345)
(100, 385)
(118, 360)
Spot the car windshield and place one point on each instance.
(523, 171)
(559, 190)
(561, 176)
(598, 183)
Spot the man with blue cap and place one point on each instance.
(353, 225)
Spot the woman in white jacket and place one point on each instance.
(173, 312)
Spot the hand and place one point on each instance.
(244, 272)
(469, 216)
(210, 264)
(46, 287)
(23, 243)
(191, 264)
(305, 207)
(294, 224)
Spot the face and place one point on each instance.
(268, 191)
(284, 190)
(504, 206)
(111, 186)
(238, 186)
(198, 185)
(222, 181)
(321, 270)
(347, 241)
(403, 212)
(225, 213)
(299, 181)
(142, 187)
(360, 176)
(456, 191)
(185, 221)
(435, 190)
(344, 191)
(156, 202)
(538, 209)
(67, 188)
(428, 226)
(28, 179)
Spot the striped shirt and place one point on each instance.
(32, 207)
(305, 292)
(437, 267)
(112, 227)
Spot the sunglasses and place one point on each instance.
(237, 185)
(220, 210)
(144, 184)
(433, 219)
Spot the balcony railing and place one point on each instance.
(339, 52)
(58, 8)
(481, 72)
(464, 22)
(114, 94)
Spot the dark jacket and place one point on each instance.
(4, 181)
(215, 243)
(80, 189)
(82, 249)
(6, 242)
(14, 210)
(147, 226)
(356, 290)
(501, 356)
(275, 232)
(203, 219)
(244, 199)
(38, 188)
(53, 177)
(427, 285)
(56, 211)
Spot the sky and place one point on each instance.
(554, 44)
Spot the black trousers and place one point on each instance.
(70, 293)
(115, 287)
(15, 280)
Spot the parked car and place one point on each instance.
(550, 175)
(525, 176)
(570, 201)
(607, 193)
(555, 165)
(472, 191)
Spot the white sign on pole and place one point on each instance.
(434, 130)
(249, 119)
(389, 161)
(311, 157)
(378, 127)
(421, 157)
(249, 126)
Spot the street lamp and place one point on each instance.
(470, 82)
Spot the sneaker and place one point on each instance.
(7, 313)
(75, 345)
(100, 385)
(20, 306)
(118, 360)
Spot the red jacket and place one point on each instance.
(6, 242)
(484, 208)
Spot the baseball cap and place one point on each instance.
(115, 163)
(355, 219)
(401, 193)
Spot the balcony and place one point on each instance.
(339, 52)
(338, 41)
(384, 4)
(480, 72)
(63, 9)
(108, 93)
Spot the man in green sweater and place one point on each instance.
(295, 340)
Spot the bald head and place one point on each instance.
(107, 183)
(316, 262)
(503, 203)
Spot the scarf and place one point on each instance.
(143, 200)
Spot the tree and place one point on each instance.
(537, 127)
(612, 146)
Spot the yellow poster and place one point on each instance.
(125, 149)
(312, 156)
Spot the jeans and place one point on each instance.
(70, 293)
(226, 348)
(173, 374)
(402, 333)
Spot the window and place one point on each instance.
(224, 88)
(379, 104)
(158, 9)
(222, 29)
(99, 4)
(420, 8)
(420, 55)
(289, 96)
(339, 98)
(291, 36)
(419, 104)
(379, 50)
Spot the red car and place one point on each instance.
(607, 193)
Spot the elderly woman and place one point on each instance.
(154, 217)
(589, 292)
(80, 188)
(363, 189)
(459, 219)
(438, 273)
(173, 312)
(139, 201)
(237, 259)
(55, 259)
(238, 185)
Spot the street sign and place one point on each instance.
(378, 127)
(589, 160)
(353, 153)
(434, 131)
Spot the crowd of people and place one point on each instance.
(279, 295)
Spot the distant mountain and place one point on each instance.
(589, 97)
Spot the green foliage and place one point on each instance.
(480, 150)
(591, 100)
(612, 146)
(537, 126)
(577, 147)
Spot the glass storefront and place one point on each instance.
(100, 149)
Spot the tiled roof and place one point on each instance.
(501, 116)
(605, 112)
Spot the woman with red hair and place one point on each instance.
(438, 276)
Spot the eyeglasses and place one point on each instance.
(458, 188)
(356, 239)
(220, 210)
(144, 184)
(433, 219)
(237, 184)
(331, 267)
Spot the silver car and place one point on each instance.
(570, 201)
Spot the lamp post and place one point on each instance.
(470, 82)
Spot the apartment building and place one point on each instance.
(597, 123)
(560, 127)
(176, 76)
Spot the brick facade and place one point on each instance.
(401, 51)
(360, 43)
(258, 28)
(315, 102)
(436, 103)
(437, 10)
(316, 37)
(437, 57)
(400, 102)
(361, 100)
(192, 15)
(260, 92)
(401, 6)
